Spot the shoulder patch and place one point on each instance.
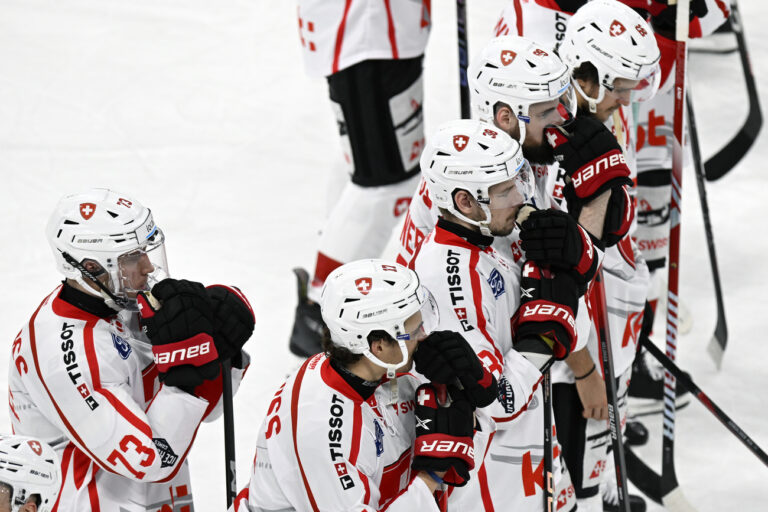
(496, 281)
(123, 347)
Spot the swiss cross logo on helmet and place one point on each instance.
(35, 447)
(460, 142)
(87, 210)
(364, 285)
(617, 28)
(507, 56)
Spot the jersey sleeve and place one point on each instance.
(419, 221)
(92, 401)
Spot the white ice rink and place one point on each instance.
(201, 110)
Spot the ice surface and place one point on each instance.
(202, 111)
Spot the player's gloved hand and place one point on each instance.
(233, 321)
(445, 356)
(443, 436)
(546, 320)
(553, 238)
(618, 216)
(591, 157)
(181, 332)
(664, 16)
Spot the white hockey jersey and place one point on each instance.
(336, 34)
(88, 386)
(322, 447)
(477, 293)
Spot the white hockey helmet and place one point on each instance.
(471, 155)
(29, 466)
(115, 231)
(618, 42)
(518, 72)
(374, 295)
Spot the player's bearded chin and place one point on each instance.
(539, 154)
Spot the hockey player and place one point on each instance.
(381, 45)
(478, 179)
(29, 475)
(121, 409)
(346, 432)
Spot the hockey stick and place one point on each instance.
(720, 337)
(229, 432)
(614, 416)
(461, 23)
(549, 505)
(671, 494)
(688, 383)
(730, 154)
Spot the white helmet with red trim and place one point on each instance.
(374, 295)
(116, 232)
(29, 466)
(470, 155)
(618, 42)
(518, 72)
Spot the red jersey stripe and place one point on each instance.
(295, 414)
(93, 492)
(65, 460)
(477, 296)
(93, 367)
(340, 38)
(391, 25)
(519, 17)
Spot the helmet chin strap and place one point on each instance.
(109, 298)
(592, 101)
(484, 225)
(391, 369)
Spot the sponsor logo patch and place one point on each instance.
(378, 438)
(122, 346)
(335, 421)
(496, 281)
(167, 455)
(506, 395)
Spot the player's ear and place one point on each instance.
(30, 506)
(464, 201)
(506, 120)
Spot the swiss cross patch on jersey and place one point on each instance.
(497, 283)
(87, 210)
(122, 346)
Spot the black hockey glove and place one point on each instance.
(618, 216)
(664, 16)
(233, 321)
(443, 437)
(591, 157)
(181, 332)
(553, 238)
(445, 356)
(546, 320)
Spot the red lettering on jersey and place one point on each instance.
(10, 404)
(501, 28)
(424, 193)
(273, 425)
(490, 362)
(532, 478)
(19, 361)
(411, 237)
(632, 329)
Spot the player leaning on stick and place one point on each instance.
(121, 408)
(351, 429)
(478, 179)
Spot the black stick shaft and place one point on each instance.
(229, 432)
(720, 337)
(614, 416)
(548, 478)
(711, 406)
(461, 24)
